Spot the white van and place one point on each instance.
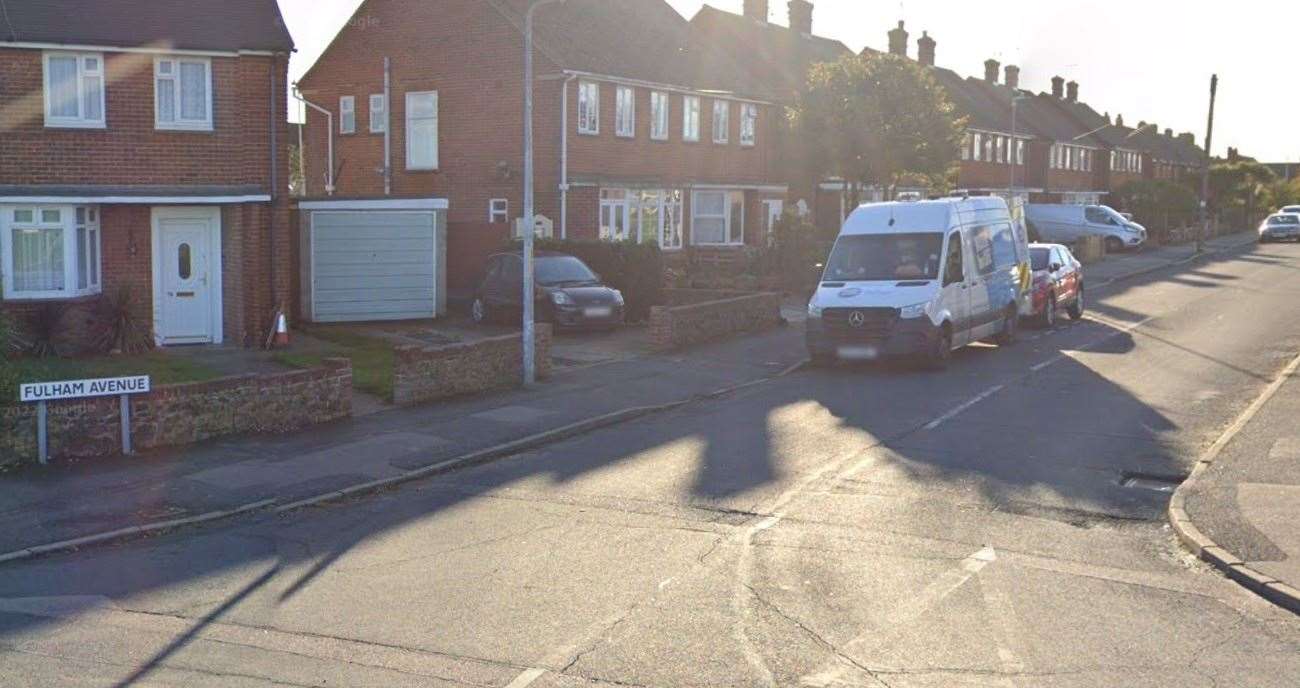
(920, 279)
(1066, 224)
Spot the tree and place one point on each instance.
(876, 119)
(1239, 187)
(1159, 204)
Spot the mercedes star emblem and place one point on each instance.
(857, 319)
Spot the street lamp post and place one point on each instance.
(529, 219)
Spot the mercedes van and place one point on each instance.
(1066, 224)
(920, 279)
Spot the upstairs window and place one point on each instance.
(378, 114)
(348, 115)
(588, 107)
(659, 115)
(690, 118)
(74, 90)
(748, 124)
(422, 130)
(721, 121)
(625, 112)
(979, 147)
(965, 146)
(184, 93)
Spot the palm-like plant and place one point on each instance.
(118, 324)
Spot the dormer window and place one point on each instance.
(74, 90)
(183, 93)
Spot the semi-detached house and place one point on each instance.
(143, 144)
(642, 132)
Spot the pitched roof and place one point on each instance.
(984, 111)
(774, 55)
(183, 24)
(646, 40)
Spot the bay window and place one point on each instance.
(718, 218)
(50, 252)
(748, 124)
(74, 90)
(625, 112)
(690, 118)
(659, 115)
(183, 93)
(642, 216)
(588, 107)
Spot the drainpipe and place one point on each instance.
(564, 156)
(329, 172)
(275, 184)
(388, 130)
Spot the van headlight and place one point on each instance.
(914, 311)
(561, 299)
(814, 311)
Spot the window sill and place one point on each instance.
(626, 137)
(57, 296)
(588, 133)
(185, 128)
(56, 124)
(660, 140)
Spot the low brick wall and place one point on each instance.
(177, 415)
(422, 374)
(696, 316)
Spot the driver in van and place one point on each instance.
(911, 265)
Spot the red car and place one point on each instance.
(1058, 283)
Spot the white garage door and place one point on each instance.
(373, 265)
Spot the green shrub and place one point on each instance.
(635, 269)
(1159, 205)
(790, 262)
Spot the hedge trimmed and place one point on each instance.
(634, 269)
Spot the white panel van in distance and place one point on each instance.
(920, 279)
(1066, 224)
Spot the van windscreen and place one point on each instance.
(885, 257)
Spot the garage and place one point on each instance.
(373, 259)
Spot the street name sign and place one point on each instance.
(83, 389)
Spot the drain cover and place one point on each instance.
(1155, 483)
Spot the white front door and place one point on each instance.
(186, 288)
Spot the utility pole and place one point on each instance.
(1205, 173)
(530, 222)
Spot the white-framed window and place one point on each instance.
(721, 121)
(50, 252)
(378, 113)
(979, 147)
(74, 90)
(422, 130)
(965, 146)
(347, 114)
(183, 90)
(625, 112)
(588, 107)
(1020, 152)
(690, 118)
(718, 218)
(659, 107)
(748, 124)
(614, 221)
(642, 215)
(499, 211)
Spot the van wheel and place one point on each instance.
(1010, 325)
(1114, 245)
(940, 354)
(1047, 318)
(1076, 308)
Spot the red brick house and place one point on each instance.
(144, 144)
(641, 131)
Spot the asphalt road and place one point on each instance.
(873, 526)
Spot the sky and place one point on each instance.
(1148, 60)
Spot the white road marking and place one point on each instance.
(957, 411)
(526, 678)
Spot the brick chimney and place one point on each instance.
(1119, 120)
(1187, 137)
(1012, 76)
(1169, 133)
(1058, 87)
(925, 49)
(991, 70)
(756, 9)
(1072, 91)
(898, 41)
(801, 16)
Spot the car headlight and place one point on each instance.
(618, 296)
(814, 311)
(913, 311)
(560, 298)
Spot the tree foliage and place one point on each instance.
(1241, 189)
(1160, 204)
(876, 119)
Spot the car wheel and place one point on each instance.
(940, 354)
(1047, 318)
(1076, 308)
(1010, 325)
(479, 311)
(1114, 245)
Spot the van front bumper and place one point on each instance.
(900, 338)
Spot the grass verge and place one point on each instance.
(372, 358)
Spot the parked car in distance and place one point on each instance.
(919, 279)
(1066, 224)
(1057, 283)
(568, 294)
(1292, 209)
(1279, 227)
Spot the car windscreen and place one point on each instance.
(553, 270)
(885, 257)
(1284, 220)
(1040, 258)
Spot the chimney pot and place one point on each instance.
(801, 12)
(1119, 120)
(1058, 87)
(925, 49)
(1169, 132)
(757, 9)
(898, 41)
(1072, 91)
(1012, 76)
(991, 70)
